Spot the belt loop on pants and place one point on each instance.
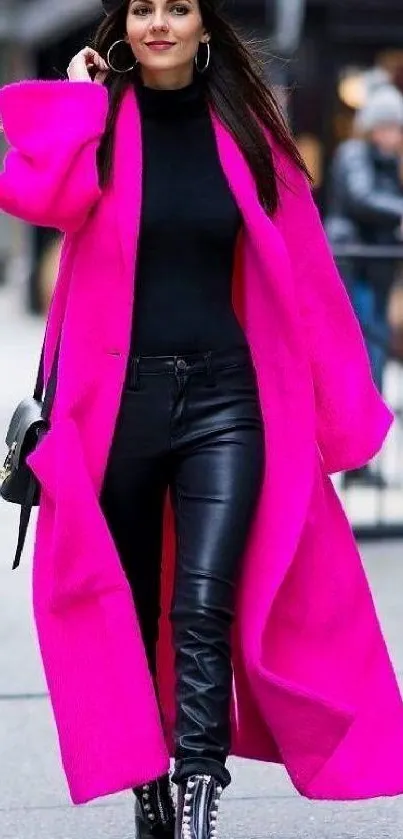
(134, 373)
(210, 372)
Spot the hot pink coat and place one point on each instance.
(314, 687)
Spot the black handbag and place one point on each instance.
(29, 422)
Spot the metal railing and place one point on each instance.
(373, 499)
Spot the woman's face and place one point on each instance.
(176, 24)
(388, 138)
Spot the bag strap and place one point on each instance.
(25, 515)
(38, 389)
(48, 399)
(49, 395)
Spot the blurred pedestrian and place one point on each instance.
(367, 192)
(207, 349)
(366, 207)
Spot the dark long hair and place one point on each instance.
(234, 86)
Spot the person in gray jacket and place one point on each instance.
(366, 207)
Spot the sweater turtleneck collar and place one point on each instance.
(162, 103)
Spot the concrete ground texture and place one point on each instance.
(260, 803)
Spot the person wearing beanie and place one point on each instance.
(383, 110)
(366, 205)
(196, 584)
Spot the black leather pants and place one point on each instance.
(192, 423)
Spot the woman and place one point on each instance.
(248, 576)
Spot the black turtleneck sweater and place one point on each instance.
(189, 226)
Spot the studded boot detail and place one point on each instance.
(197, 808)
(154, 811)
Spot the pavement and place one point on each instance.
(34, 804)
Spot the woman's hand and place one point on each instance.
(83, 62)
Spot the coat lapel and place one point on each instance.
(127, 179)
(259, 226)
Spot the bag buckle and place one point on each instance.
(6, 469)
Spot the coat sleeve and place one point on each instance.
(352, 418)
(53, 128)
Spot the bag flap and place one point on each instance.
(26, 416)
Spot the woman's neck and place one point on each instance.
(163, 103)
(168, 80)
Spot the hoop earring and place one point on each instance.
(109, 63)
(203, 69)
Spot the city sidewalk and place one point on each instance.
(260, 804)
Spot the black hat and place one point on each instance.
(111, 5)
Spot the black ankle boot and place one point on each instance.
(197, 808)
(154, 812)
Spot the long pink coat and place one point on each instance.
(314, 687)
